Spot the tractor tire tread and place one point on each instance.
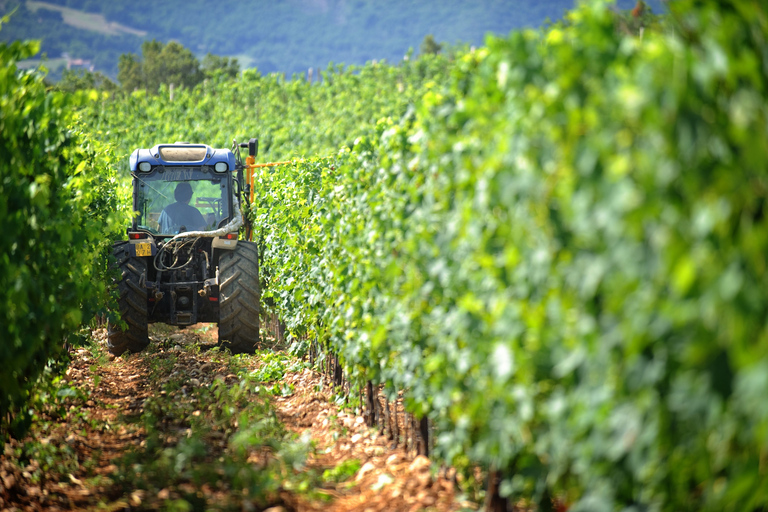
(239, 298)
(132, 304)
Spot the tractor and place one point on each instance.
(183, 261)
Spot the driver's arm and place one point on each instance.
(165, 224)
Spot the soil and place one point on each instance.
(99, 433)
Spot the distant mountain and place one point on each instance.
(287, 36)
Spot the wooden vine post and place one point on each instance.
(494, 502)
(424, 436)
(369, 414)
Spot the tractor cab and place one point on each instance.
(181, 187)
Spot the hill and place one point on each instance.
(288, 36)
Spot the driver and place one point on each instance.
(180, 216)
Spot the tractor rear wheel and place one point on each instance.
(239, 298)
(132, 303)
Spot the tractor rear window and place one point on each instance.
(198, 201)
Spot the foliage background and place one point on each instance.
(60, 206)
(560, 256)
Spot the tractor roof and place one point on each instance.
(181, 154)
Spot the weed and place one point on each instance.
(160, 329)
(344, 471)
(204, 329)
(99, 357)
(283, 389)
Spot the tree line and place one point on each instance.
(171, 64)
(159, 64)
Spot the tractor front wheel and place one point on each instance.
(132, 304)
(239, 298)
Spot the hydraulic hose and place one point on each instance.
(233, 225)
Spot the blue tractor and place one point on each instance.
(183, 262)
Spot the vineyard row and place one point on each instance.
(560, 258)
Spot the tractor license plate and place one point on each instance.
(143, 249)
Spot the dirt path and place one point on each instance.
(388, 479)
(67, 460)
(103, 434)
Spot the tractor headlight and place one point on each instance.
(145, 167)
(220, 167)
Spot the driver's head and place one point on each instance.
(183, 192)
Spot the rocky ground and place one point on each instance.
(183, 426)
